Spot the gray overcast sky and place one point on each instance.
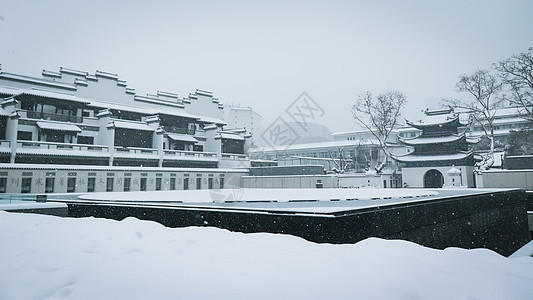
(265, 54)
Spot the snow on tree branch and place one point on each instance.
(379, 115)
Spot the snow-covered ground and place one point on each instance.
(45, 257)
(260, 195)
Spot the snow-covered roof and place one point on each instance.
(144, 110)
(9, 91)
(72, 71)
(432, 140)
(58, 126)
(343, 143)
(230, 136)
(131, 125)
(408, 129)
(350, 132)
(204, 93)
(112, 168)
(182, 137)
(234, 130)
(177, 112)
(106, 74)
(212, 120)
(294, 157)
(278, 195)
(433, 120)
(54, 95)
(453, 171)
(130, 108)
(167, 94)
(37, 80)
(51, 73)
(514, 120)
(438, 157)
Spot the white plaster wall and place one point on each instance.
(204, 106)
(33, 129)
(362, 180)
(506, 179)
(290, 181)
(414, 177)
(105, 89)
(14, 178)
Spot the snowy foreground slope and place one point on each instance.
(45, 257)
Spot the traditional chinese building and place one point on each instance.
(441, 155)
(73, 131)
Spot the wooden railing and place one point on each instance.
(173, 129)
(135, 150)
(54, 117)
(182, 153)
(234, 156)
(61, 146)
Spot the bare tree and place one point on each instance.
(483, 88)
(343, 164)
(517, 73)
(379, 115)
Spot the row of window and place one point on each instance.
(49, 183)
(324, 154)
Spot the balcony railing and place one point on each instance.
(181, 153)
(135, 150)
(53, 117)
(234, 156)
(60, 146)
(173, 129)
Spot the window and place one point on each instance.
(55, 137)
(49, 185)
(143, 184)
(26, 185)
(127, 184)
(3, 184)
(186, 183)
(109, 184)
(172, 184)
(158, 184)
(198, 183)
(3, 124)
(90, 184)
(210, 183)
(24, 136)
(221, 182)
(71, 184)
(87, 140)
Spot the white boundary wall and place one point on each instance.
(414, 177)
(505, 179)
(15, 174)
(290, 181)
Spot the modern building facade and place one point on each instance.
(244, 117)
(76, 120)
(357, 150)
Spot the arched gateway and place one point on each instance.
(433, 179)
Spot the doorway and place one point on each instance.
(433, 179)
